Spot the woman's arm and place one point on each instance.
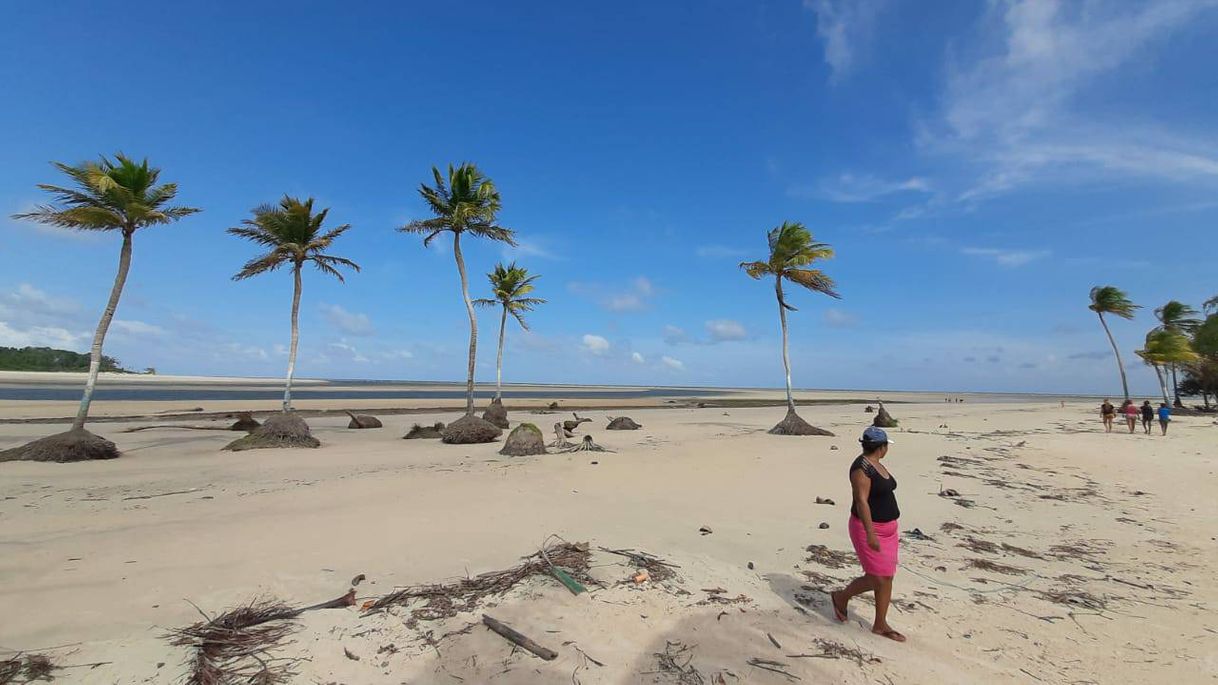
(861, 484)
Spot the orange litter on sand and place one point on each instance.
(641, 577)
(367, 605)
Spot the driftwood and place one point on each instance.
(586, 445)
(570, 425)
(561, 435)
(883, 419)
(519, 639)
(363, 421)
(177, 426)
(623, 423)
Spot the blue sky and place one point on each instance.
(977, 171)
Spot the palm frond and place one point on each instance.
(1108, 299)
(812, 279)
(756, 270)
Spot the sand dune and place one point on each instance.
(1071, 555)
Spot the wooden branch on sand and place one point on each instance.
(170, 425)
(518, 639)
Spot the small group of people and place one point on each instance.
(1132, 412)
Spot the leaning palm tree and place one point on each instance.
(465, 201)
(1109, 299)
(792, 250)
(510, 286)
(1164, 349)
(1177, 317)
(117, 194)
(293, 235)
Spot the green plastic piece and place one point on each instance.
(565, 578)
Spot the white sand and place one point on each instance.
(82, 563)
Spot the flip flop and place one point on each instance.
(892, 635)
(838, 612)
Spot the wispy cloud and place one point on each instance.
(534, 247)
(725, 330)
(350, 323)
(837, 318)
(637, 358)
(1012, 113)
(675, 364)
(845, 27)
(636, 296)
(1006, 257)
(851, 188)
(719, 252)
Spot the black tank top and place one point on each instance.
(881, 500)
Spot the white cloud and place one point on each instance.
(675, 364)
(674, 335)
(27, 299)
(136, 328)
(595, 344)
(1008, 258)
(850, 188)
(42, 336)
(723, 330)
(342, 349)
(836, 318)
(398, 354)
(844, 26)
(531, 248)
(1012, 113)
(635, 297)
(247, 351)
(347, 322)
(637, 358)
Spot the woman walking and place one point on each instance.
(1108, 412)
(1148, 415)
(1164, 417)
(874, 531)
(1131, 415)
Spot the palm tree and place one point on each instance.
(792, 250)
(1177, 317)
(1211, 305)
(1109, 299)
(293, 234)
(464, 202)
(510, 285)
(1166, 348)
(117, 194)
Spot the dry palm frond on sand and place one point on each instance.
(445, 600)
(234, 647)
(26, 668)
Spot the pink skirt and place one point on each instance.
(884, 562)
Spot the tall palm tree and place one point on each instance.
(117, 194)
(792, 250)
(464, 202)
(1177, 317)
(1109, 299)
(1165, 348)
(293, 234)
(510, 286)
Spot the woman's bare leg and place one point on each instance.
(883, 597)
(856, 587)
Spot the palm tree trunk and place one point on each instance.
(499, 358)
(786, 356)
(1117, 352)
(1162, 374)
(473, 326)
(1175, 386)
(95, 353)
(287, 388)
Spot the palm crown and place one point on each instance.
(510, 286)
(1165, 346)
(791, 250)
(464, 202)
(294, 235)
(118, 194)
(1178, 317)
(1109, 299)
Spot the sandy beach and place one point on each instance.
(1071, 556)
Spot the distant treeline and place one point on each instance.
(49, 359)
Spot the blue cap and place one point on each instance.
(875, 434)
